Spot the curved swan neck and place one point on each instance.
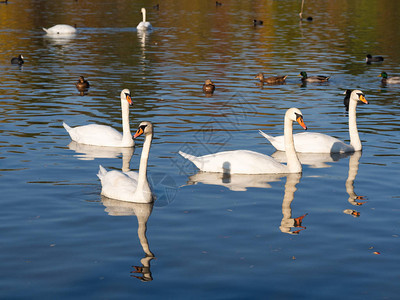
(144, 14)
(353, 131)
(142, 180)
(293, 162)
(126, 130)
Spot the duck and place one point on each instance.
(250, 162)
(130, 186)
(218, 3)
(391, 80)
(102, 135)
(144, 25)
(317, 78)
(369, 58)
(60, 29)
(272, 79)
(257, 22)
(346, 99)
(82, 84)
(208, 87)
(313, 142)
(17, 60)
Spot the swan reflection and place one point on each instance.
(142, 211)
(288, 222)
(59, 40)
(235, 182)
(314, 160)
(89, 152)
(353, 197)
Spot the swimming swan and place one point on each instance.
(60, 29)
(102, 135)
(313, 142)
(144, 25)
(249, 162)
(130, 186)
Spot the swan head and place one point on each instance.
(358, 95)
(126, 95)
(145, 128)
(143, 10)
(294, 114)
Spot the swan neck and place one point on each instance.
(144, 15)
(293, 162)
(142, 180)
(126, 130)
(353, 131)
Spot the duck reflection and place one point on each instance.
(314, 160)
(288, 222)
(353, 197)
(142, 211)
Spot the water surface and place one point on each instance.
(216, 237)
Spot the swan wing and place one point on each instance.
(237, 162)
(314, 142)
(144, 26)
(117, 185)
(60, 29)
(94, 134)
(311, 142)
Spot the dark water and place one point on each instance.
(211, 237)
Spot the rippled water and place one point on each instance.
(216, 237)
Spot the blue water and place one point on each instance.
(213, 237)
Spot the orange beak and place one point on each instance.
(362, 99)
(139, 132)
(301, 122)
(129, 99)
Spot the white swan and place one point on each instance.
(249, 162)
(313, 142)
(130, 186)
(102, 135)
(60, 29)
(144, 25)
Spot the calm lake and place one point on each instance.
(333, 231)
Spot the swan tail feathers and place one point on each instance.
(45, 30)
(268, 137)
(192, 158)
(188, 156)
(67, 128)
(102, 172)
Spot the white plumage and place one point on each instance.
(102, 135)
(60, 29)
(144, 25)
(313, 142)
(130, 186)
(250, 162)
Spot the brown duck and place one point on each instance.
(271, 80)
(208, 87)
(82, 83)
